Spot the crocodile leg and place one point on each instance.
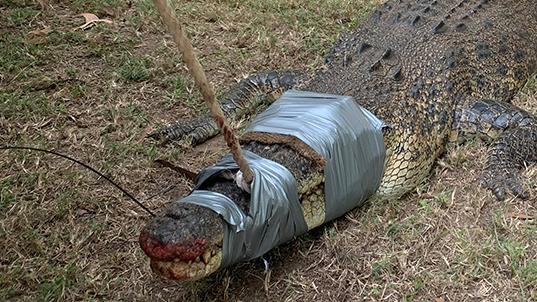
(514, 135)
(241, 101)
(510, 153)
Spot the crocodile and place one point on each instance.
(434, 71)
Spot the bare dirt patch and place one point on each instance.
(96, 93)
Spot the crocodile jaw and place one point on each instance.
(185, 262)
(184, 242)
(187, 271)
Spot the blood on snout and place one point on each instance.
(185, 251)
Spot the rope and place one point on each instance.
(191, 61)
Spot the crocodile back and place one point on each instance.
(413, 63)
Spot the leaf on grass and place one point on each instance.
(41, 32)
(91, 19)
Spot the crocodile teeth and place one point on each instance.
(206, 256)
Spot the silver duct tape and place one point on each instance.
(347, 135)
(221, 204)
(274, 217)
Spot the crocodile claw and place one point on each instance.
(503, 182)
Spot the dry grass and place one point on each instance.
(68, 235)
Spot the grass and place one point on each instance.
(135, 70)
(68, 235)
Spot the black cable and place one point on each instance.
(85, 166)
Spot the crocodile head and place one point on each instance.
(185, 243)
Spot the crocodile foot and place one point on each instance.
(503, 182)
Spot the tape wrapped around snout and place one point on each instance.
(274, 217)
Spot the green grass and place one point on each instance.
(383, 266)
(17, 54)
(16, 105)
(528, 273)
(97, 6)
(21, 16)
(522, 266)
(177, 90)
(135, 70)
(7, 197)
(405, 228)
(417, 285)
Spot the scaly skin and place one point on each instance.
(242, 100)
(432, 70)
